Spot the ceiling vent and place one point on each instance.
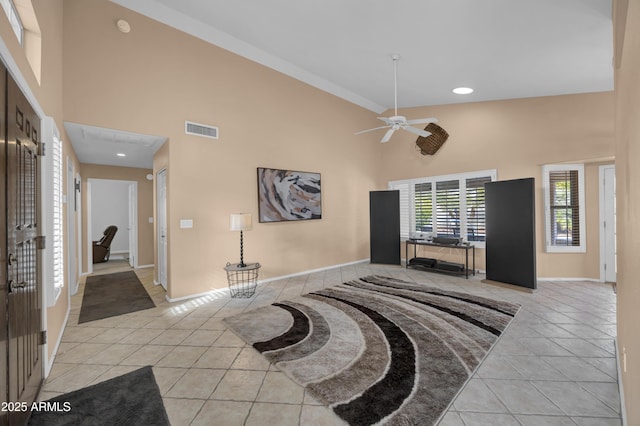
(191, 128)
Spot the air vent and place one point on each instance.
(200, 130)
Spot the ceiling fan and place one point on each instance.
(398, 121)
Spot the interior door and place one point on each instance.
(23, 283)
(72, 276)
(161, 188)
(4, 376)
(133, 219)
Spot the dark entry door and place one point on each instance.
(23, 283)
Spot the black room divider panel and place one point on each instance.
(511, 232)
(384, 223)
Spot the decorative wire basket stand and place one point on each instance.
(242, 280)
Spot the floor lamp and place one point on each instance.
(240, 222)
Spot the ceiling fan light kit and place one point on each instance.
(398, 121)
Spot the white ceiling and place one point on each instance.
(503, 49)
(96, 145)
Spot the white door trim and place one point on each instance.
(133, 251)
(72, 258)
(161, 227)
(603, 215)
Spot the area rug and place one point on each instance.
(378, 350)
(109, 295)
(130, 399)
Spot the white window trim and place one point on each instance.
(408, 185)
(551, 248)
(14, 19)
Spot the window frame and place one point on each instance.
(546, 185)
(13, 17)
(407, 200)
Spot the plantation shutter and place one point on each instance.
(564, 208)
(423, 204)
(403, 188)
(58, 255)
(475, 208)
(448, 208)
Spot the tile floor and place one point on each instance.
(554, 365)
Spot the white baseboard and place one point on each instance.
(218, 291)
(594, 280)
(623, 411)
(48, 364)
(145, 266)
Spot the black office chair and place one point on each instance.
(102, 248)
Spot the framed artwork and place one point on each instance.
(285, 195)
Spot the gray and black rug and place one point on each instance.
(131, 399)
(378, 349)
(109, 295)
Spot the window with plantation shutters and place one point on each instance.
(423, 204)
(403, 188)
(451, 205)
(57, 231)
(564, 207)
(475, 208)
(448, 208)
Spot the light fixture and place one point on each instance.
(121, 154)
(149, 176)
(123, 26)
(462, 90)
(240, 222)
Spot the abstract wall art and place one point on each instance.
(285, 195)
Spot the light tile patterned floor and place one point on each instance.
(554, 365)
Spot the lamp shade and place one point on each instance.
(240, 222)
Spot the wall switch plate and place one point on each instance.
(186, 223)
(151, 219)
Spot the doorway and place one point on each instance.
(161, 188)
(113, 202)
(608, 256)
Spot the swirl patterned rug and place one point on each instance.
(378, 349)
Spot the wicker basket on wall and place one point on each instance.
(432, 143)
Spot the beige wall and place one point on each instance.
(145, 207)
(48, 96)
(517, 137)
(154, 78)
(627, 26)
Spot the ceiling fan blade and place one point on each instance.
(418, 132)
(387, 135)
(370, 130)
(423, 120)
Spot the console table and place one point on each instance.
(467, 247)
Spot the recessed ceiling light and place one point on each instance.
(120, 154)
(462, 90)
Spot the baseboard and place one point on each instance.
(311, 271)
(623, 411)
(297, 274)
(145, 266)
(216, 292)
(594, 280)
(48, 365)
